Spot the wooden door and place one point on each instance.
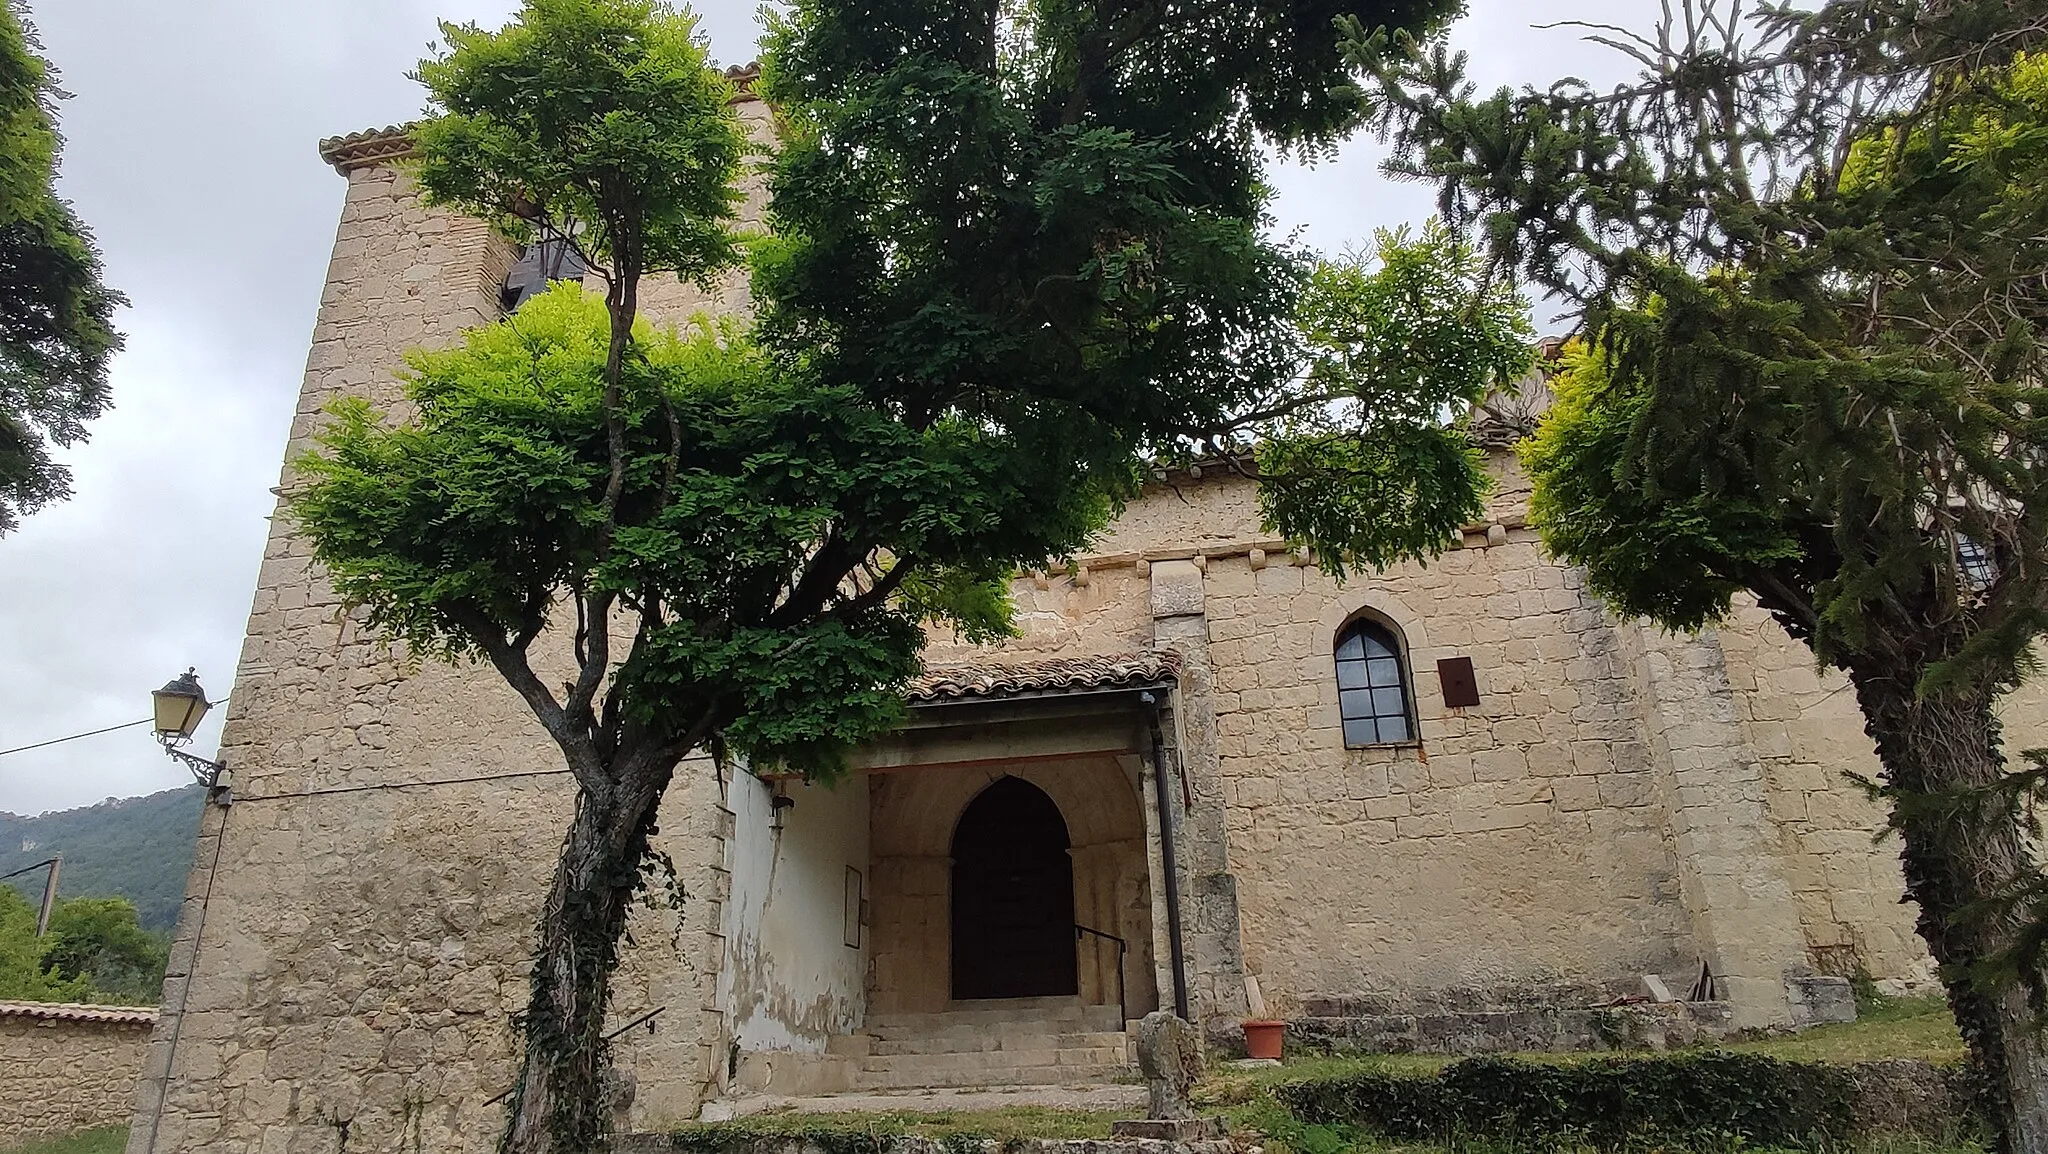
(1013, 896)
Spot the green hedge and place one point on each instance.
(1607, 1102)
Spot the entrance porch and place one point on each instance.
(1002, 914)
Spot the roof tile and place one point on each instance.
(78, 1012)
(990, 679)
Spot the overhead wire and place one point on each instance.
(75, 737)
(95, 732)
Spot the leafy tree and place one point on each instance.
(1367, 455)
(517, 489)
(93, 950)
(23, 974)
(56, 317)
(100, 941)
(1016, 252)
(1806, 253)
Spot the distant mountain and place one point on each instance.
(137, 848)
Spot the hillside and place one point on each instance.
(138, 848)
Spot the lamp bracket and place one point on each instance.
(204, 772)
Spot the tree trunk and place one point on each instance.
(1965, 844)
(561, 1104)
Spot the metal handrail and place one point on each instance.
(1123, 1011)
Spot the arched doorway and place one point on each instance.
(1013, 896)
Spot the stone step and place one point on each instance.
(1036, 1005)
(1003, 1041)
(973, 1031)
(995, 1059)
(1004, 1008)
(1125, 1097)
(850, 1045)
(905, 1072)
(1070, 1018)
(993, 1079)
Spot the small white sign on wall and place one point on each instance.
(850, 928)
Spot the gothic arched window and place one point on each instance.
(1372, 686)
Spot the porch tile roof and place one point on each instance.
(76, 1012)
(996, 678)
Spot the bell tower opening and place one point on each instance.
(1013, 897)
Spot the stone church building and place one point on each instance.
(1450, 807)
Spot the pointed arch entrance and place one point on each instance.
(1013, 896)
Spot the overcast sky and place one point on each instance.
(190, 152)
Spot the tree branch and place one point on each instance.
(509, 658)
(822, 575)
(595, 664)
(877, 595)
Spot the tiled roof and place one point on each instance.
(394, 142)
(368, 147)
(74, 1012)
(1054, 675)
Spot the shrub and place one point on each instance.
(1709, 1097)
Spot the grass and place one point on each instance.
(103, 1140)
(1247, 1101)
(1884, 1028)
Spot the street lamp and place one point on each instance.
(180, 706)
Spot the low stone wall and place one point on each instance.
(69, 1067)
(1557, 1016)
(1667, 1026)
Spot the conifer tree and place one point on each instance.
(1806, 251)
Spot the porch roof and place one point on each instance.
(993, 679)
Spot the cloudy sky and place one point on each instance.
(190, 152)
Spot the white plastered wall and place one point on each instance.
(788, 978)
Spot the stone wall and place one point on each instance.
(1731, 881)
(1608, 810)
(1808, 732)
(358, 930)
(1805, 727)
(67, 1068)
(1521, 841)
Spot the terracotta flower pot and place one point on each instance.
(1263, 1039)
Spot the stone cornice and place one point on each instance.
(393, 143)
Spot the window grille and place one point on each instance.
(1372, 686)
(1979, 570)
